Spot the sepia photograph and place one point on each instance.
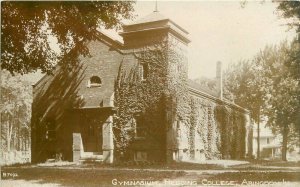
(150, 93)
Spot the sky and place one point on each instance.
(221, 30)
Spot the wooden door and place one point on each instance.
(91, 130)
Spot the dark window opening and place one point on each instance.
(178, 124)
(268, 140)
(95, 81)
(144, 71)
(140, 156)
(50, 130)
(140, 130)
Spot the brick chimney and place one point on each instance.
(219, 79)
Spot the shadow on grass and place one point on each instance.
(155, 165)
(85, 177)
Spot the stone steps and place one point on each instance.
(91, 156)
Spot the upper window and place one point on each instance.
(144, 71)
(94, 81)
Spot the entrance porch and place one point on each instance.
(94, 140)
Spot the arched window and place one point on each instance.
(94, 81)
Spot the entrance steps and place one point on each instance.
(91, 156)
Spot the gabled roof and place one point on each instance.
(204, 91)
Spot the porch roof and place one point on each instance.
(271, 146)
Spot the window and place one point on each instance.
(144, 71)
(50, 130)
(268, 140)
(139, 128)
(178, 124)
(140, 156)
(94, 81)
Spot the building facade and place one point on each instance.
(134, 101)
(270, 144)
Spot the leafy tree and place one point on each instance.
(284, 104)
(29, 28)
(291, 11)
(16, 101)
(246, 82)
(267, 86)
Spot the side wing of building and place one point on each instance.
(65, 102)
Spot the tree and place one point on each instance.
(16, 101)
(246, 82)
(28, 28)
(267, 87)
(284, 104)
(290, 10)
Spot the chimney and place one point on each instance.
(219, 79)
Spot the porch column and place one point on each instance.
(77, 147)
(108, 144)
(248, 137)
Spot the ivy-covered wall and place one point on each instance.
(144, 100)
(178, 125)
(213, 130)
(158, 100)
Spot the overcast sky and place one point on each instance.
(222, 30)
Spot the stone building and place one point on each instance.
(134, 101)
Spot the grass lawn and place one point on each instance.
(102, 175)
(85, 177)
(164, 166)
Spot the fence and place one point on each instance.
(15, 157)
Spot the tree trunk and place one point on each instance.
(8, 136)
(258, 134)
(284, 141)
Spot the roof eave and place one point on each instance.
(180, 36)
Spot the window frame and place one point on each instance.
(139, 131)
(144, 71)
(94, 84)
(140, 155)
